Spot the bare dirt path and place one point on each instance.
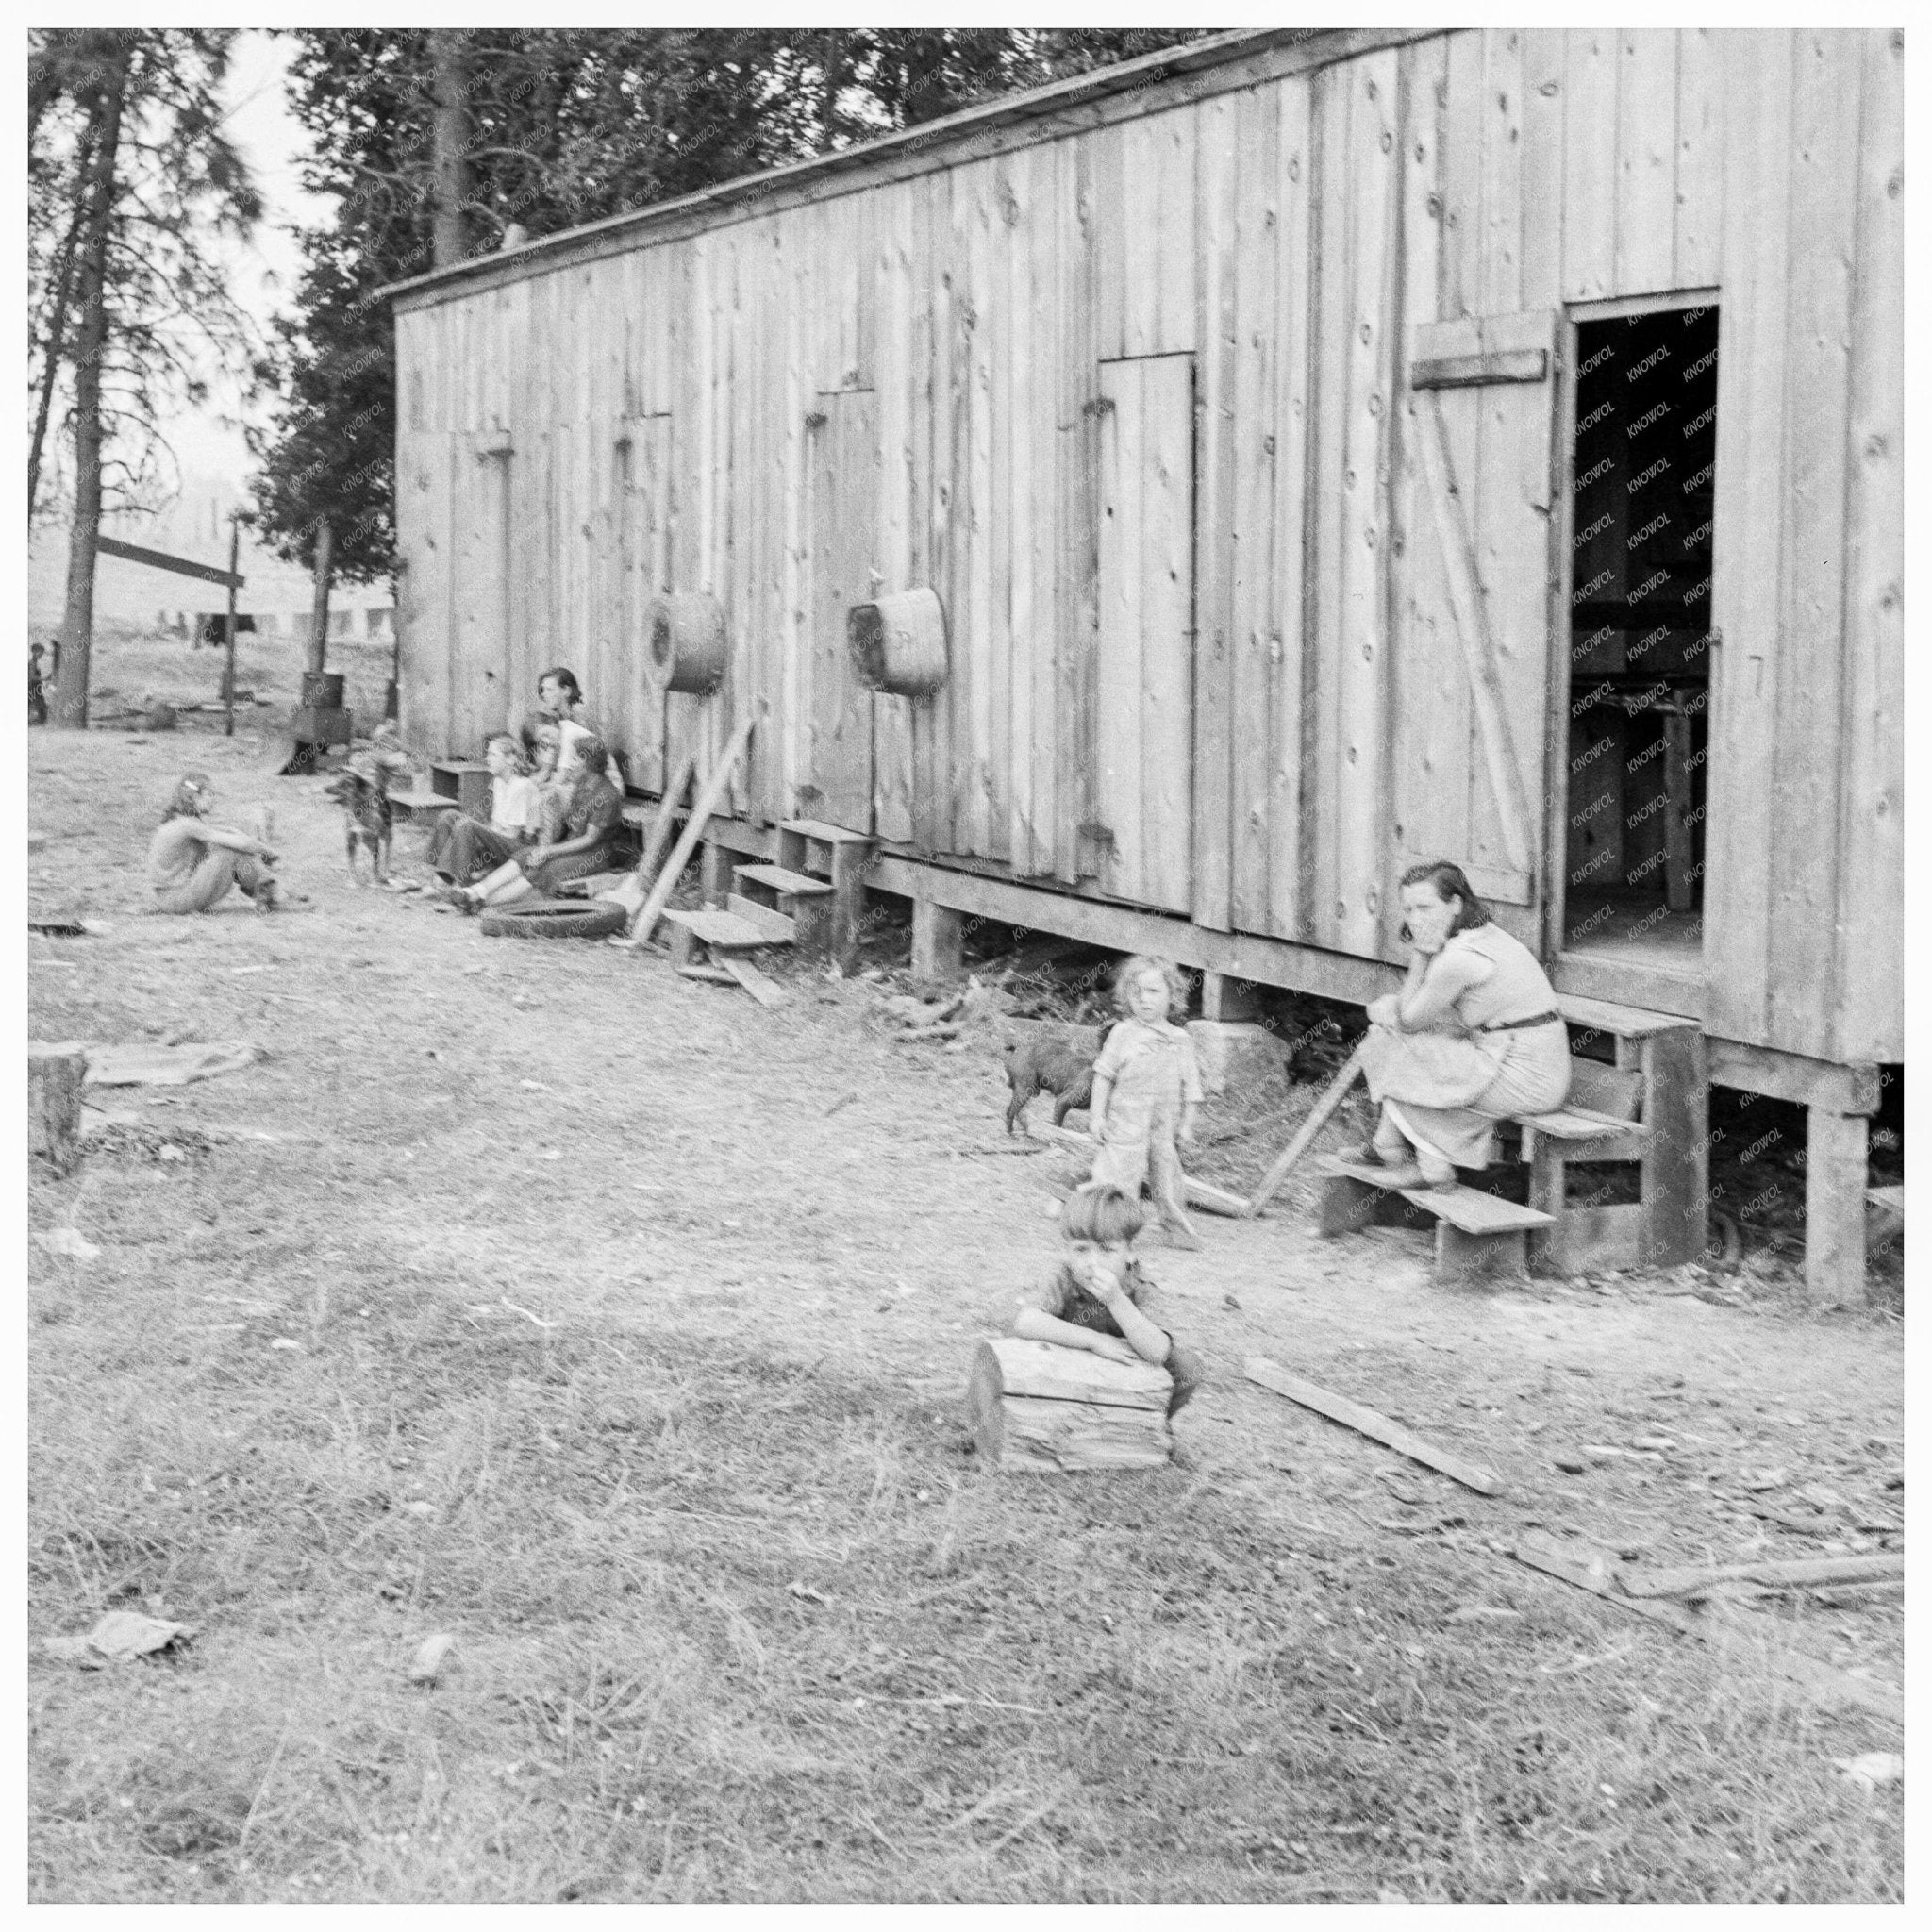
(569, 1148)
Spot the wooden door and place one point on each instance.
(1478, 606)
(1143, 720)
(836, 782)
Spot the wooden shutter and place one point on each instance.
(1475, 653)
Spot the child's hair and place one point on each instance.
(1101, 1214)
(519, 763)
(184, 802)
(1130, 970)
(533, 727)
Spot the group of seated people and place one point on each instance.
(556, 809)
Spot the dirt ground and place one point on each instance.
(521, 1288)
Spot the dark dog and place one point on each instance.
(368, 822)
(1057, 1060)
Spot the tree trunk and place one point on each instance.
(77, 624)
(57, 324)
(449, 175)
(318, 613)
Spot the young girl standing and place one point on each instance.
(1146, 1093)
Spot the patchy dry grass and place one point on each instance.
(739, 1617)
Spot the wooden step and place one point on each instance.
(1892, 1199)
(824, 834)
(797, 884)
(1466, 1208)
(409, 803)
(1580, 1123)
(778, 929)
(1621, 1023)
(724, 930)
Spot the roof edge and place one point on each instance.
(1190, 56)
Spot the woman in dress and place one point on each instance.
(1473, 1036)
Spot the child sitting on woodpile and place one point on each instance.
(1146, 1093)
(1092, 1301)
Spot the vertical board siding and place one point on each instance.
(1254, 629)
(1215, 641)
(1872, 864)
(1746, 529)
(958, 331)
(1291, 645)
(1804, 800)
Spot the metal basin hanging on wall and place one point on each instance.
(899, 643)
(688, 646)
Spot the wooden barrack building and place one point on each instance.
(1325, 449)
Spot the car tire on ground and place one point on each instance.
(553, 919)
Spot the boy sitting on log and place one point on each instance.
(1092, 1301)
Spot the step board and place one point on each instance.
(778, 930)
(824, 834)
(1580, 1123)
(1621, 1023)
(1466, 1208)
(724, 930)
(780, 880)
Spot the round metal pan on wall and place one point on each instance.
(688, 643)
(899, 643)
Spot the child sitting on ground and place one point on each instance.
(581, 845)
(1092, 1299)
(1146, 1093)
(462, 848)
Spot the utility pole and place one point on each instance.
(229, 675)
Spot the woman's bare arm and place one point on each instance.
(1446, 978)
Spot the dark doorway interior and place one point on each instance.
(1643, 459)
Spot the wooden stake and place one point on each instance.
(1367, 1421)
(760, 986)
(693, 829)
(1318, 1118)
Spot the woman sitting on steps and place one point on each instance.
(1473, 1036)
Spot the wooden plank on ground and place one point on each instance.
(1370, 1422)
(761, 985)
(1697, 1579)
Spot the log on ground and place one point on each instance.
(1033, 1406)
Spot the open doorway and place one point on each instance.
(1642, 471)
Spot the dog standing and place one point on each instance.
(368, 822)
(1057, 1060)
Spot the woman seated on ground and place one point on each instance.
(1473, 1036)
(462, 848)
(583, 844)
(192, 864)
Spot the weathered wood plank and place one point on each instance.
(1213, 210)
(1500, 281)
(985, 685)
(1359, 795)
(1698, 241)
(1121, 768)
(1590, 164)
(1142, 145)
(1255, 622)
(1179, 213)
(1540, 169)
(1069, 749)
(1748, 533)
(1006, 657)
(1646, 158)
(1461, 176)
(1029, 605)
(1481, 371)
(1371, 1423)
(1810, 637)
(1700, 1579)
(929, 332)
(1291, 645)
(1165, 783)
(1871, 1004)
(844, 501)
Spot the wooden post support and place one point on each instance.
(1225, 998)
(1318, 1119)
(1675, 1168)
(1836, 1171)
(713, 790)
(936, 931)
(849, 863)
(228, 663)
(53, 1077)
(716, 865)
